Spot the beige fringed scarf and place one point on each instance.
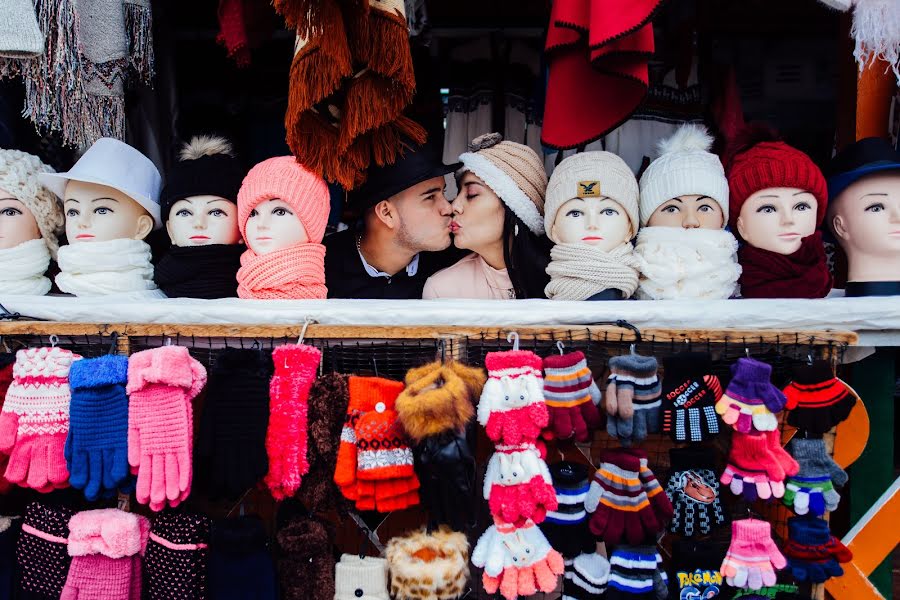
(579, 271)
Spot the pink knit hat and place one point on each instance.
(284, 178)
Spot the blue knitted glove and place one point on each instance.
(97, 445)
(814, 571)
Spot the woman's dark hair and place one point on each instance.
(526, 256)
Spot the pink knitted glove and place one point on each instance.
(295, 371)
(512, 408)
(518, 486)
(35, 418)
(161, 384)
(753, 557)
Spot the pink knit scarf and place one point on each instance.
(296, 272)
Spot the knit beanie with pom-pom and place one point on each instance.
(206, 167)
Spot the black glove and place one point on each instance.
(240, 565)
(445, 465)
(693, 489)
(689, 396)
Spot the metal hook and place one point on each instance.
(114, 343)
(632, 349)
(513, 338)
(747, 352)
(443, 350)
(306, 323)
(168, 341)
(54, 340)
(809, 359)
(561, 347)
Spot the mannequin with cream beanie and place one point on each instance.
(591, 214)
(683, 248)
(282, 213)
(31, 217)
(498, 215)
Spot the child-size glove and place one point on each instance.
(566, 528)
(176, 561)
(518, 487)
(812, 552)
(689, 396)
(572, 397)
(162, 382)
(752, 557)
(811, 490)
(6, 378)
(632, 398)
(751, 400)
(512, 408)
(41, 553)
(636, 573)
(586, 577)
(96, 448)
(753, 470)
(693, 489)
(517, 561)
(816, 399)
(35, 419)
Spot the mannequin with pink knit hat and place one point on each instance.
(282, 213)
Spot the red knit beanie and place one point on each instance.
(773, 164)
(284, 178)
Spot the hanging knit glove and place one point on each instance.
(240, 565)
(632, 398)
(620, 507)
(751, 401)
(752, 557)
(106, 545)
(694, 569)
(327, 406)
(512, 408)
(753, 469)
(518, 487)
(233, 428)
(35, 419)
(176, 561)
(636, 573)
(585, 577)
(96, 448)
(812, 552)
(517, 561)
(428, 566)
(566, 528)
(358, 578)
(811, 490)
(689, 396)
(41, 554)
(305, 560)
(693, 489)
(162, 382)
(286, 440)
(7, 360)
(817, 400)
(572, 397)
(659, 501)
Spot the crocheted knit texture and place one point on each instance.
(293, 273)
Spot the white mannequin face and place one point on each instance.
(689, 212)
(777, 219)
(477, 215)
(98, 213)
(274, 226)
(203, 221)
(866, 220)
(598, 222)
(17, 224)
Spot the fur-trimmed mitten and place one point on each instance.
(176, 561)
(753, 470)
(689, 396)
(240, 566)
(636, 573)
(572, 397)
(286, 440)
(812, 489)
(41, 554)
(327, 406)
(518, 487)
(693, 489)
(512, 408)
(566, 528)
(358, 578)
(632, 398)
(752, 557)
(586, 577)
(232, 440)
(812, 552)
(305, 560)
(816, 399)
(428, 566)
(751, 400)
(517, 561)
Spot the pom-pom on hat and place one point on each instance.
(19, 176)
(284, 178)
(685, 167)
(206, 166)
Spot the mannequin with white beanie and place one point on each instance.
(683, 248)
(31, 218)
(591, 214)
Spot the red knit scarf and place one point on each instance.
(296, 272)
(803, 274)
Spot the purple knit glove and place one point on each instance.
(751, 401)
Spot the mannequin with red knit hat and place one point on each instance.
(778, 199)
(282, 213)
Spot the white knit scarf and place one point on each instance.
(686, 263)
(105, 268)
(579, 271)
(22, 268)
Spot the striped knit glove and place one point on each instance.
(632, 398)
(689, 396)
(635, 572)
(518, 486)
(571, 396)
(694, 490)
(41, 552)
(566, 528)
(752, 557)
(751, 401)
(586, 577)
(816, 399)
(620, 505)
(512, 408)
(812, 489)
(812, 552)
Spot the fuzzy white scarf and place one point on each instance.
(23, 268)
(579, 271)
(105, 268)
(687, 263)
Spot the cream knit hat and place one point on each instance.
(514, 172)
(592, 175)
(19, 176)
(685, 167)
(20, 36)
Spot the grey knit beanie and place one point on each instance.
(19, 176)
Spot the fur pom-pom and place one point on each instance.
(483, 142)
(205, 145)
(690, 137)
(747, 137)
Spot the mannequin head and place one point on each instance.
(598, 222)
(28, 210)
(17, 223)
(99, 213)
(777, 219)
(273, 226)
(203, 221)
(689, 212)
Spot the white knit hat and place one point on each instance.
(19, 176)
(685, 167)
(592, 175)
(20, 36)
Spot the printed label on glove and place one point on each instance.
(683, 395)
(693, 487)
(701, 584)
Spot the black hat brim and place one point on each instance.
(366, 197)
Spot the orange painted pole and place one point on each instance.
(875, 87)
